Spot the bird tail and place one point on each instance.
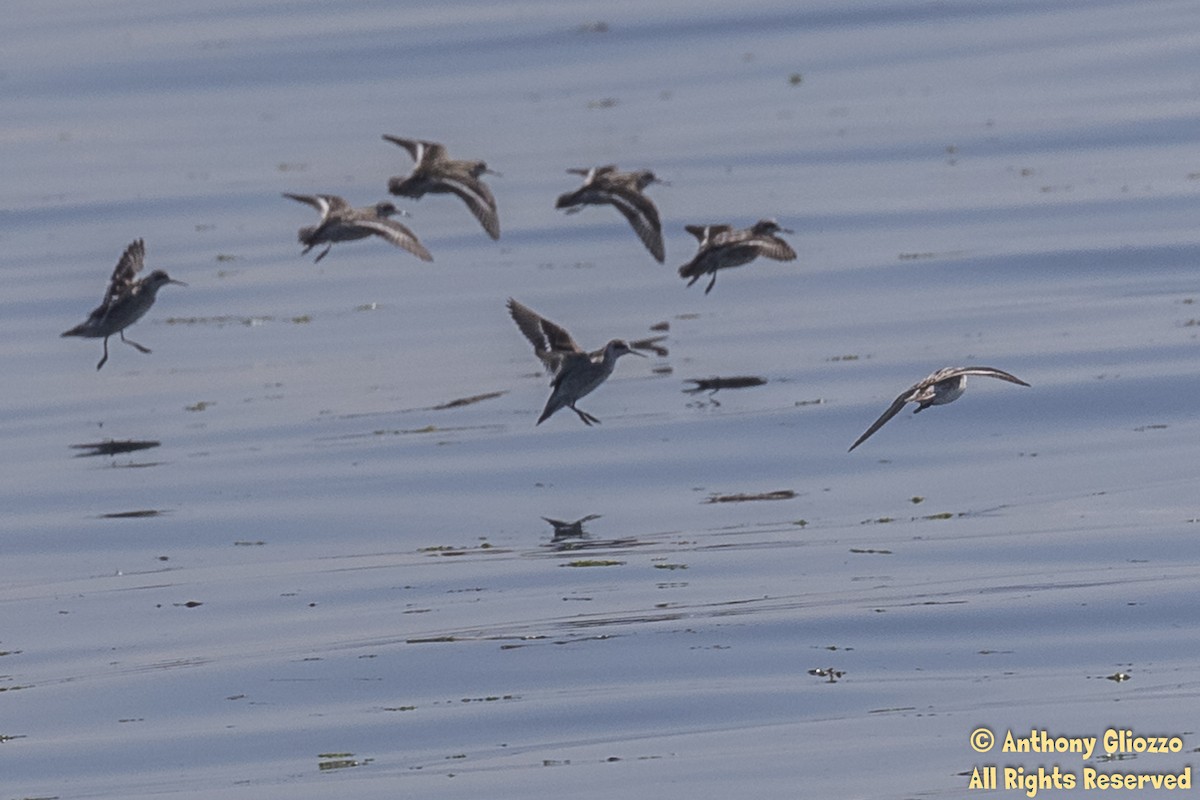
(306, 235)
(691, 270)
(552, 405)
(401, 187)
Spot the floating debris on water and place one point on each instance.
(782, 494)
(466, 401)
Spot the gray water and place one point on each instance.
(382, 609)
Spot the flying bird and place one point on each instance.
(576, 371)
(434, 172)
(125, 301)
(624, 191)
(723, 247)
(944, 386)
(340, 222)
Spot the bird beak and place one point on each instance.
(786, 230)
(181, 283)
(638, 353)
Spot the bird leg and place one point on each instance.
(105, 358)
(587, 418)
(711, 283)
(143, 348)
(324, 253)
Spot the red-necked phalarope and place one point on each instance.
(126, 300)
(436, 173)
(944, 386)
(342, 223)
(576, 371)
(624, 190)
(722, 247)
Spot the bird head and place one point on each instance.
(479, 168)
(646, 177)
(158, 279)
(766, 227)
(619, 347)
(386, 209)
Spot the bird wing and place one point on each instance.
(550, 342)
(892, 411)
(643, 216)
(478, 198)
(705, 232)
(326, 204)
(776, 248)
(419, 150)
(128, 266)
(591, 173)
(560, 340)
(987, 372)
(397, 234)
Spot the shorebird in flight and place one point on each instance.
(434, 172)
(576, 371)
(944, 386)
(624, 191)
(723, 247)
(125, 301)
(340, 222)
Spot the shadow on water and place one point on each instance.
(714, 385)
(112, 447)
(143, 513)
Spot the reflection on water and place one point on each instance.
(573, 536)
(567, 530)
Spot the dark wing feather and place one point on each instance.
(643, 216)
(398, 235)
(550, 342)
(413, 146)
(478, 197)
(892, 411)
(124, 274)
(777, 249)
(991, 372)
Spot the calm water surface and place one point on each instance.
(328, 579)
